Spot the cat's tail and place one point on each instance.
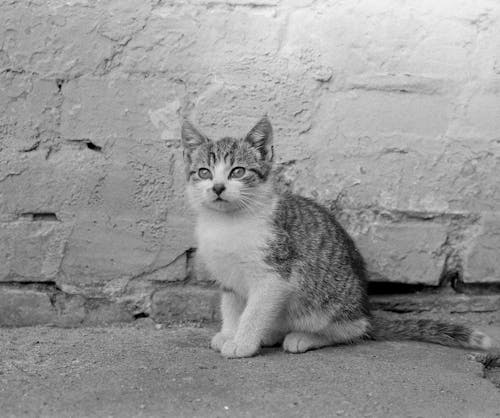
(430, 331)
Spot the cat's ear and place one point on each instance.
(191, 137)
(261, 137)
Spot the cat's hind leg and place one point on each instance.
(231, 307)
(337, 332)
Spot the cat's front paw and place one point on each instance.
(233, 349)
(218, 341)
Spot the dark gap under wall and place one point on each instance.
(454, 279)
(50, 286)
(476, 288)
(392, 288)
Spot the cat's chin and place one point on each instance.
(221, 205)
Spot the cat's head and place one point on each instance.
(230, 174)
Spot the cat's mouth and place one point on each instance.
(220, 199)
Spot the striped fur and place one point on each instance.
(289, 272)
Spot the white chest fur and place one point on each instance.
(232, 248)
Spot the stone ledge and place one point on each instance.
(435, 302)
(29, 304)
(185, 303)
(23, 307)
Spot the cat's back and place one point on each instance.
(308, 234)
(307, 222)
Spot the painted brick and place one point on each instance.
(185, 303)
(405, 253)
(32, 250)
(482, 261)
(23, 307)
(100, 109)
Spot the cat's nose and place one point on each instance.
(218, 188)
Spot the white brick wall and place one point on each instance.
(386, 111)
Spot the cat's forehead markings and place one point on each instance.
(223, 150)
(211, 158)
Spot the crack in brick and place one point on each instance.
(187, 254)
(87, 143)
(40, 216)
(59, 84)
(34, 147)
(13, 174)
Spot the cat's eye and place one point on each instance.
(237, 173)
(204, 173)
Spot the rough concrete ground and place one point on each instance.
(144, 371)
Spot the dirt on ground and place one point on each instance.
(146, 370)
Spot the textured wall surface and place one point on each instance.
(388, 112)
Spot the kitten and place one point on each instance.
(289, 273)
